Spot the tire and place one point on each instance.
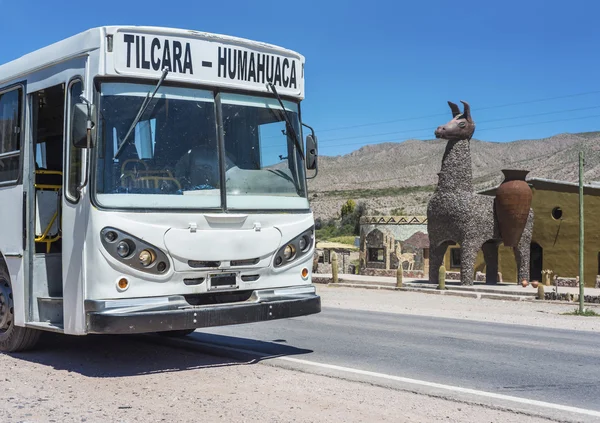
(12, 338)
(176, 333)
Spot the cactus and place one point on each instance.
(399, 276)
(442, 278)
(540, 294)
(334, 266)
(547, 279)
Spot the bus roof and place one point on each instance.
(191, 56)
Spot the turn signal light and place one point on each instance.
(123, 284)
(305, 273)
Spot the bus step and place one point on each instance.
(50, 309)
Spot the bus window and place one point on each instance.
(40, 155)
(10, 134)
(267, 167)
(75, 154)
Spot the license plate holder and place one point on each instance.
(223, 281)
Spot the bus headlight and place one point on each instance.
(147, 257)
(296, 248)
(110, 236)
(134, 252)
(123, 249)
(303, 243)
(288, 252)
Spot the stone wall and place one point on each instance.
(480, 277)
(570, 282)
(565, 296)
(453, 276)
(415, 274)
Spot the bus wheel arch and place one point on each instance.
(12, 338)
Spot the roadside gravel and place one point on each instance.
(122, 379)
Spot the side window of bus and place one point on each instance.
(75, 154)
(10, 134)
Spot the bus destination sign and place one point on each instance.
(207, 61)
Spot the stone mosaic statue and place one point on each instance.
(456, 214)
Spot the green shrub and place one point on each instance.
(347, 226)
(344, 239)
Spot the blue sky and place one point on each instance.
(375, 69)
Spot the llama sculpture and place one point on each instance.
(408, 258)
(455, 214)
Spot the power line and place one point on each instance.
(444, 114)
(434, 127)
(383, 123)
(478, 130)
(270, 146)
(366, 141)
(542, 114)
(539, 123)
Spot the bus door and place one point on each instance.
(75, 212)
(47, 111)
(56, 282)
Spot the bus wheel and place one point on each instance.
(12, 338)
(176, 333)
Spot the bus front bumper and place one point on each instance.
(144, 315)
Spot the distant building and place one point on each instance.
(386, 241)
(347, 257)
(555, 242)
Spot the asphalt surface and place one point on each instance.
(550, 365)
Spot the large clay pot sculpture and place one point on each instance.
(513, 200)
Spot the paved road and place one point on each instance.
(549, 365)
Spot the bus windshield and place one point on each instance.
(171, 159)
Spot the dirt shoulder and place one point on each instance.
(532, 313)
(109, 379)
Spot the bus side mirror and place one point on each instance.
(82, 125)
(311, 152)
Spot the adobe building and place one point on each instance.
(555, 241)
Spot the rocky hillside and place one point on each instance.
(402, 175)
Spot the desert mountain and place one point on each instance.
(402, 175)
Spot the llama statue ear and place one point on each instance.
(454, 108)
(467, 112)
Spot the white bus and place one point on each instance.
(153, 180)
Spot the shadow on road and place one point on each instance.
(103, 356)
(275, 348)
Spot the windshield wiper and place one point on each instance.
(143, 108)
(287, 120)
